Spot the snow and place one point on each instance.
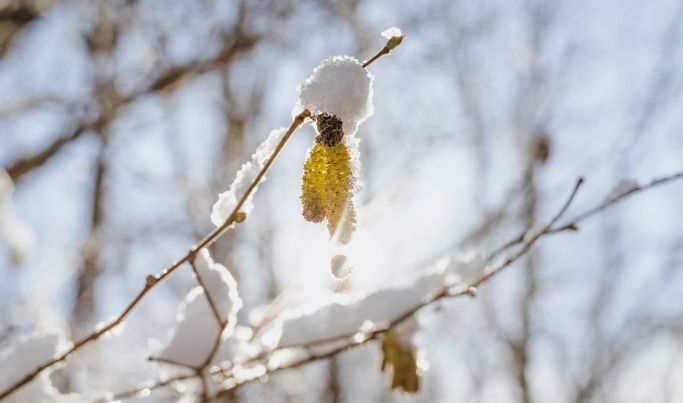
(245, 176)
(235, 349)
(24, 357)
(196, 329)
(394, 37)
(392, 32)
(220, 285)
(339, 86)
(344, 318)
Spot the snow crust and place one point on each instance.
(196, 328)
(344, 318)
(245, 176)
(24, 357)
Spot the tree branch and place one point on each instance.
(527, 242)
(209, 299)
(153, 280)
(25, 165)
(171, 79)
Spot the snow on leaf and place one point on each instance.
(196, 328)
(24, 357)
(340, 87)
(245, 176)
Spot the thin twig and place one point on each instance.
(446, 292)
(207, 241)
(572, 224)
(208, 296)
(613, 200)
(171, 362)
(153, 280)
(466, 290)
(391, 43)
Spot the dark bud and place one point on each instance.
(541, 150)
(330, 130)
(150, 281)
(240, 216)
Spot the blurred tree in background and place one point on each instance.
(120, 122)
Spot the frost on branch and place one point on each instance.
(245, 176)
(23, 358)
(197, 328)
(380, 308)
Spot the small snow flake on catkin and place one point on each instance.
(339, 87)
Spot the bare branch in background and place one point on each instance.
(153, 280)
(25, 165)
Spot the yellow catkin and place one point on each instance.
(403, 361)
(341, 215)
(313, 184)
(326, 190)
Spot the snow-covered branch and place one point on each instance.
(345, 325)
(228, 211)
